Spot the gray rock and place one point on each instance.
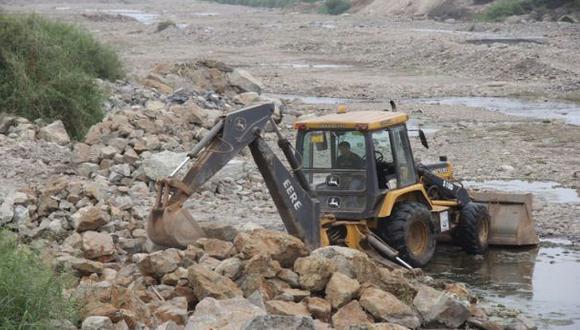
(161, 164)
(54, 132)
(159, 263)
(245, 81)
(97, 323)
(440, 309)
(223, 314)
(230, 268)
(86, 169)
(6, 211)
(267, 322)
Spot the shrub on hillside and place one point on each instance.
(502, 9)
(48, 71)
(335, 7)
(31, 294)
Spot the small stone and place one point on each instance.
(245, 81)
(86, 266)
(97, 323)
(386, 307)
(159, 263)
(207, 283)
(280, 246)
(349, 315)
(230, 268)
(440, 309)
(222, 314)
(267, 322)
(289, 277)
(174, 310)
(216, 248)
(89, 218)
(319, 308)
(96, 245)
(341, 289)
(287, 308)
(314, 272)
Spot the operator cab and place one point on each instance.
(352, 160)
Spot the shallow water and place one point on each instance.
(138, 15)
(544, 282)
(548, 191)
(566, 111)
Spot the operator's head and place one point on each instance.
(344, 148)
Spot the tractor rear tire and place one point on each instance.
(409, 230)
(472, 231)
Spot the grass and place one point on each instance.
(502, 9)
(335, 7)
(31, 294)
(48, 71)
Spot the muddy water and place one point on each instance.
(547, 191)
(544, 282)
(566, 111)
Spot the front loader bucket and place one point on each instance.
(173, 227)
(511, 220)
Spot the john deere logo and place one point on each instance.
(240, 124)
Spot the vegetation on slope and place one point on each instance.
(31, 294)
(48, 71)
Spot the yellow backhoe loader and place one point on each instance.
(351, 180)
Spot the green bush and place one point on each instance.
(31, 294)
(502, 9)
(48, 71)
(335, 7)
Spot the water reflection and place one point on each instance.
(543, 282)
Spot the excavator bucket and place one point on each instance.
(511, 220)
(173, 227)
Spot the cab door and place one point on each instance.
(404, 162)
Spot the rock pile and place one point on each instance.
(221, 284)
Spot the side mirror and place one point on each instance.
(423, 139)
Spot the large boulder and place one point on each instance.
(341, 289)
(280, 246)
(207, 283)
(97, 245)
(314, 272)
(55, 132)
(160, 263)
(223, 314)
(245, 81)
(386, 307)
(440, 309)
(349, 315)
(352, 263)
(267, 322)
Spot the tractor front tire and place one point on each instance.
(409, 230)
(472, 231)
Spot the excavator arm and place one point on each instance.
(171, 225)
